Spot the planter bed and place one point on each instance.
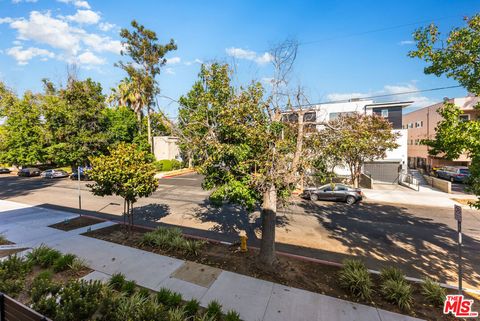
(311, 276)
(75, 223)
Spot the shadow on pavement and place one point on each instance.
(11, 186)
(380, 232)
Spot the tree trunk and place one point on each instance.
(149, 131)
(269, 216)
(139, 119)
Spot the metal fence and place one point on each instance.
(408, 180)
(12, 310)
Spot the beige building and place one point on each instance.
(422, 123)
(166, 147)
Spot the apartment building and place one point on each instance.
(421, 124)
(387, 169)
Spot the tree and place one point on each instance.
(356, 138)
(126, 172)
(120, 124)
(456, 57)
(248, 155)
(73, 121)
(148, 56)
(22, 140)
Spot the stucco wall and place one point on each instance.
(166, 147)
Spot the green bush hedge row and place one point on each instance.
(165, 165)
(355, 278)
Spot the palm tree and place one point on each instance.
(128, 94)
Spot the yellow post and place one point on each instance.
(243, 241)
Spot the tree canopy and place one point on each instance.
(456, 57)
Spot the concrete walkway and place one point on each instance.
(254, 299)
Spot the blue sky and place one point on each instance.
(352, 48)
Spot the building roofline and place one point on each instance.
(391, 104)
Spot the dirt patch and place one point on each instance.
(7, 252)
(311, 276)
(464, 201)
(77, 222)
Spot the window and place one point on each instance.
(464, 117)
(333, 116)
(384, 113)
(340, 188)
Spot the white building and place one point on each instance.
(166, 147)
(385, 170)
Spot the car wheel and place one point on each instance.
(314, 197)
(350, 200)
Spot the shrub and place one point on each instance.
(176, 314)
(3, 239)
(214, 310)
(174, 300)
(433, 292)
(355, 278)
(63, 262)
(391, 273)
(398, 292)
(193, 247)
(43, 285)
(232, 316)
(128, 287)
(163, 295)
(164, 165)
(117, 280)
(191, 308)
(12, 274)
(144, 293)
(78, 300)
(43, 256)
(77, 265)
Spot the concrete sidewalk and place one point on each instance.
(426, 196)
(254, 299)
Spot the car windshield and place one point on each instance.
(464, 171)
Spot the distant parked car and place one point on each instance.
(4, 170)
(333, 192)
(29, 172)
(453, 173)
(54, 173)
(83, 176)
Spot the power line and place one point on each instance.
(385, 95)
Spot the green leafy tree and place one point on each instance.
(126, 172)
(74, 116)
(121, 124)
(356, 138)
(21, 142)
(457, 57)
(148, 56)
(247, 153)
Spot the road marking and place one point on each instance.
(184, 178)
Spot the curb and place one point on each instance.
(174, 173)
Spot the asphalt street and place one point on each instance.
(420, 239)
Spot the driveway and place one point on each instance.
(420, 239)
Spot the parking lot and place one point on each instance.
(417, 238)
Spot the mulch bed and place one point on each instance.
(311, 276)
(7, 252)
(77, 222)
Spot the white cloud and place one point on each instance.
(6, 20)
(42, 28)
(246, 54)
(23, 56)
(406, 42)
(198, 61)
(417, 98)
(88, 17)
(88, 58)
(18, 1)
(173, 60)
(105, 26)
(76, 3)
(170, 71)
(58, 33)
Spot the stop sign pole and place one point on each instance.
(458, 217)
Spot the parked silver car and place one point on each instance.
(333, 192)
(54, 173)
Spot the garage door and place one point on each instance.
(383, 172)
